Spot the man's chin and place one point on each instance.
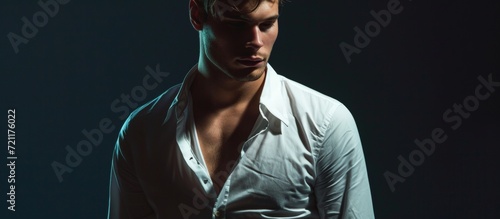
(247, 74)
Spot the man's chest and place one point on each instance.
(270, 171)
(219, 140)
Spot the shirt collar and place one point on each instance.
(181, 100)
(272, 97)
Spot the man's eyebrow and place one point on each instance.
(275, 17)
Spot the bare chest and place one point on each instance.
(220, 142)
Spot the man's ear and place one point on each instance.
(196, 15)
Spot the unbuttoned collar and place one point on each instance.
(181, 100)
(272, 97)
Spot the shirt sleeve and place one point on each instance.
(126, 196)
(342, 188)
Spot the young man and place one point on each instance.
(237, 140)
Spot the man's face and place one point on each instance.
(239, 45)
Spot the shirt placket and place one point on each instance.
(196, 166)
(219, 210)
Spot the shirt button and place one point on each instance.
(219, 213)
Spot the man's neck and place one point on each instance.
(216, 91)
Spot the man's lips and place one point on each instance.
(253, 58)
(250, 61)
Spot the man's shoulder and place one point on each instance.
(304, 99)
(321, 115)
(156, 109)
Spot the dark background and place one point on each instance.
(428, 58)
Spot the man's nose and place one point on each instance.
(255, 41)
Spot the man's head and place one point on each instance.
(236, 36)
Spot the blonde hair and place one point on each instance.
(209, 6)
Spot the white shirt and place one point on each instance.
(303, 160)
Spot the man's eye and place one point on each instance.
(266, 26)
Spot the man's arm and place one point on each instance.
(342, 187)
(126, 197)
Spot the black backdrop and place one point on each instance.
(65, 79)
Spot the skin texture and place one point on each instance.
(225, 90)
